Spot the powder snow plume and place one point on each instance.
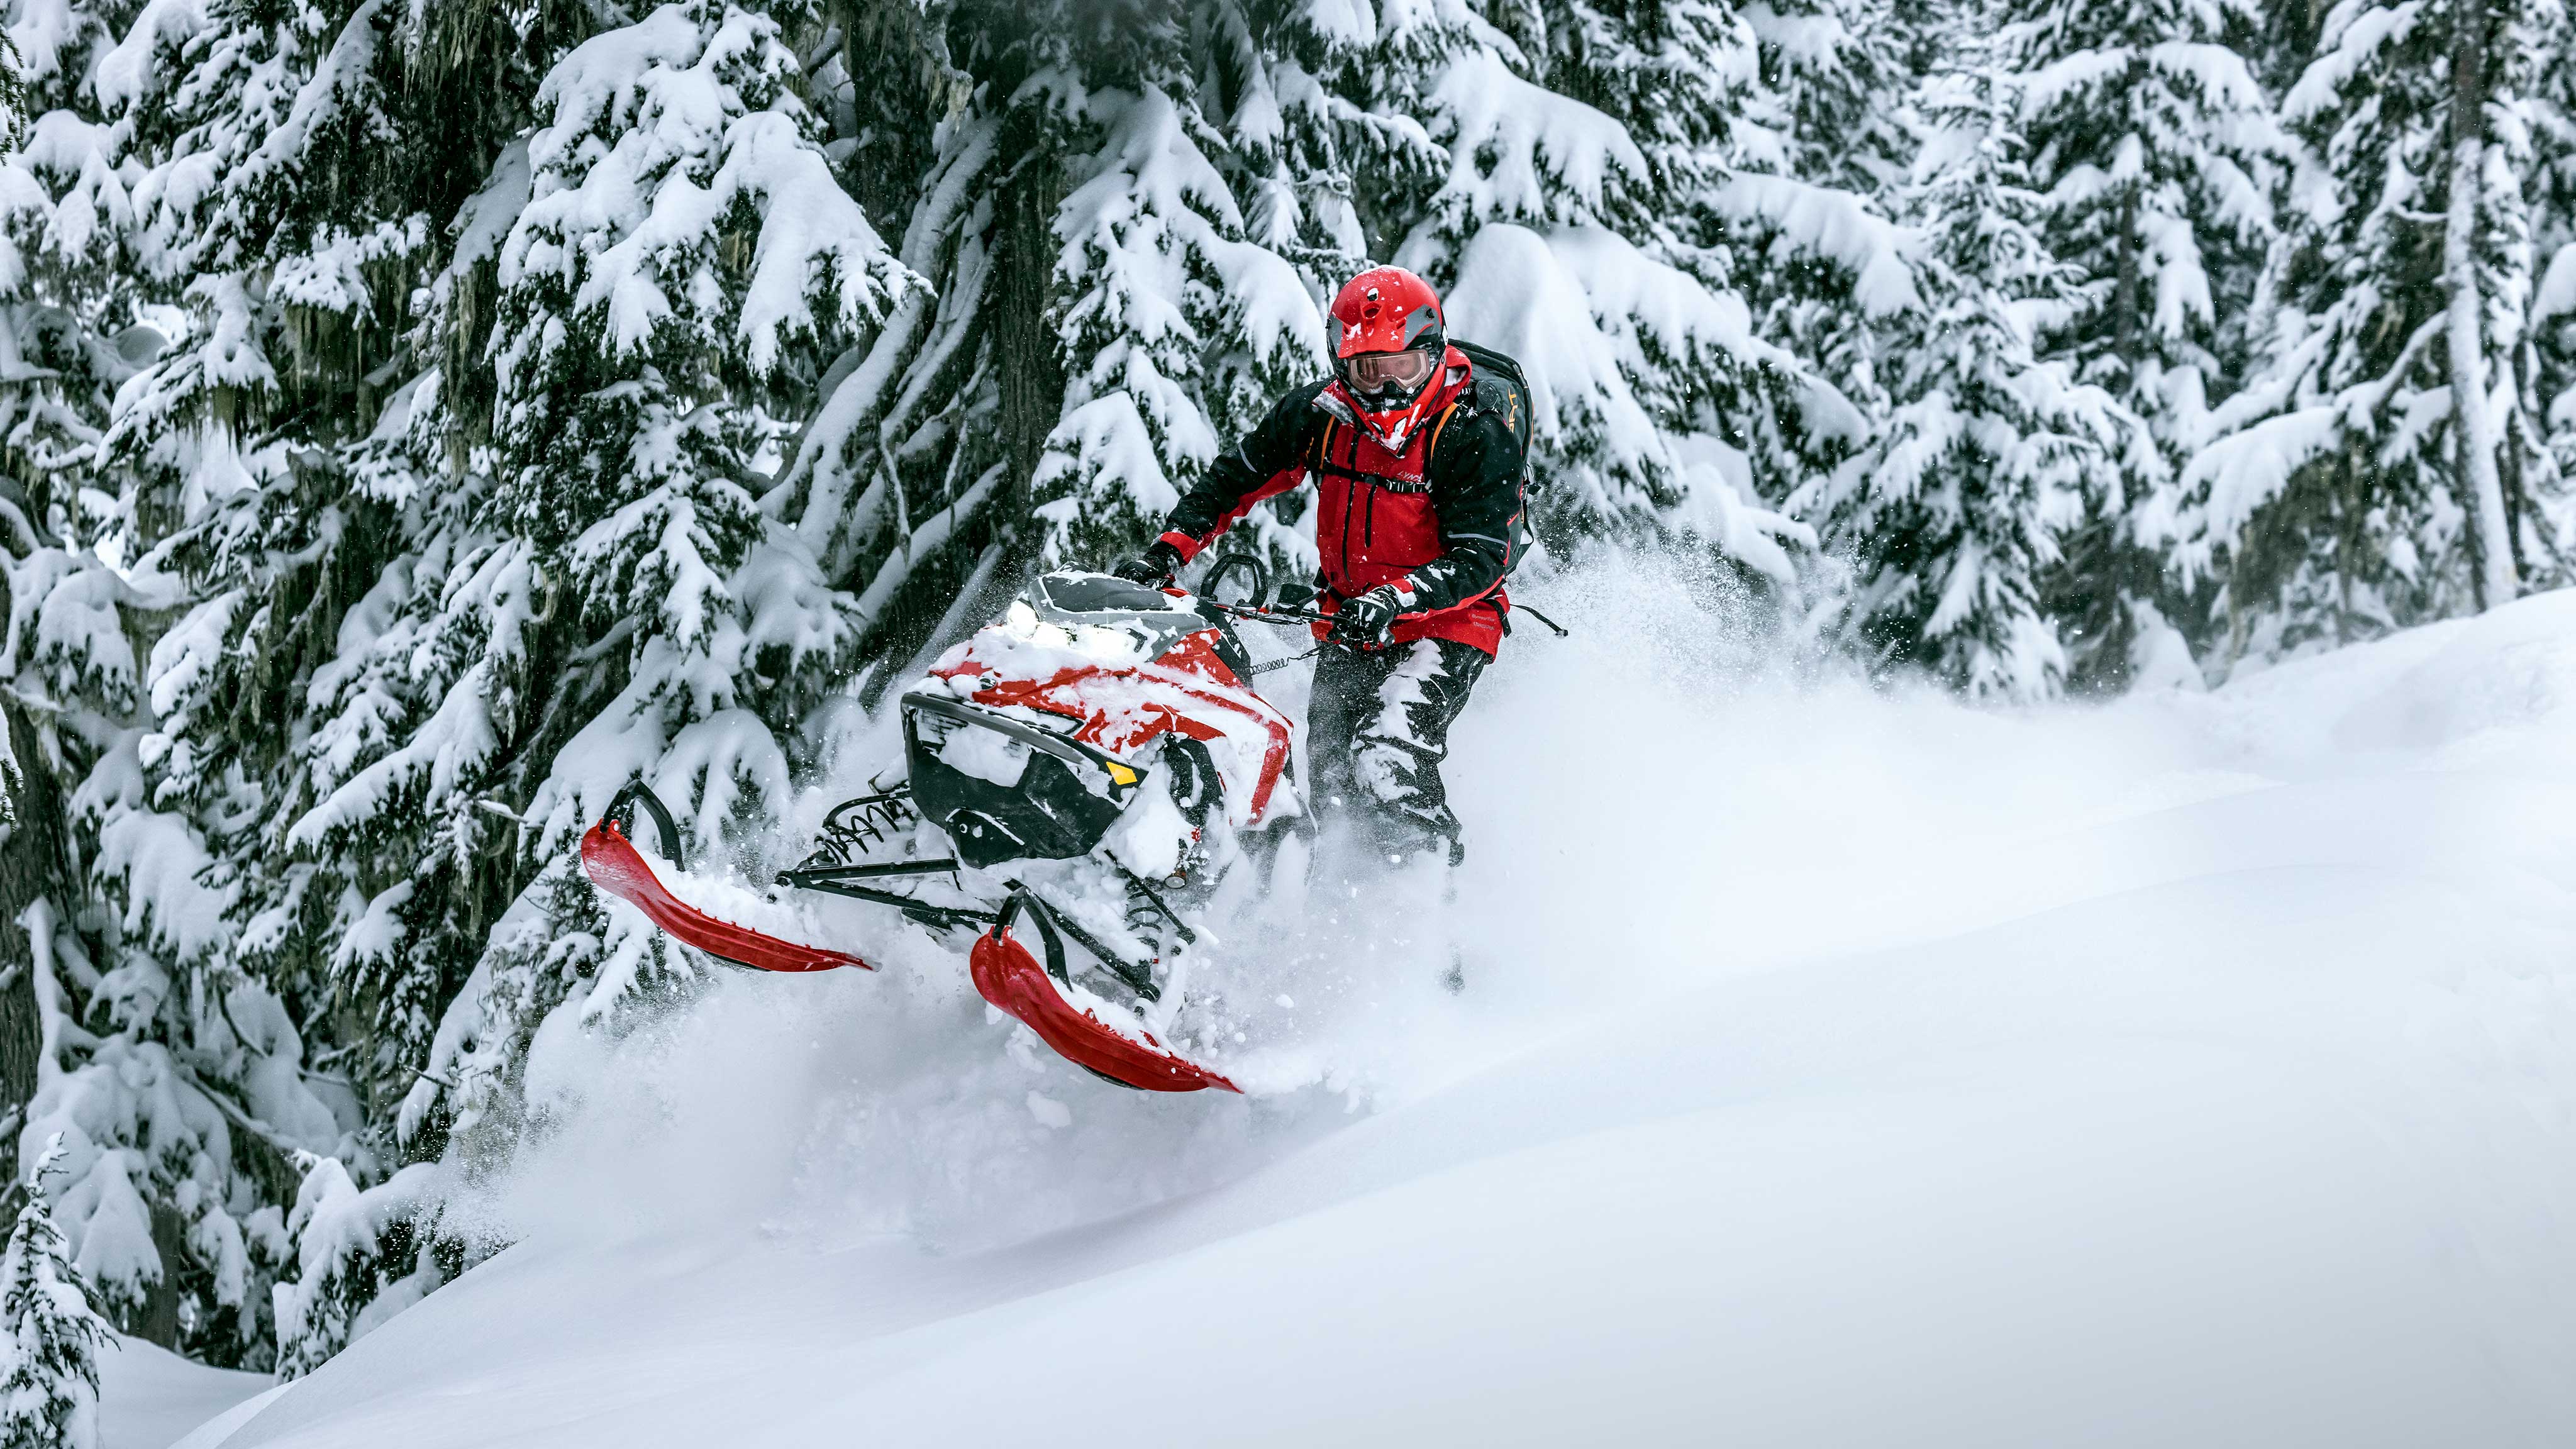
(1838, 1063)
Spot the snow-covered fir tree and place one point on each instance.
(1807, 213)
(1838, 74)
(2156, 151)
(1804, 210)
(2386, 465)
(50, 1336)
(274, 194)
(682, 252)
(1955, 515)
(1568, 226)
(1155, 282)
(585, 589)
(132, 1062)
(2156, 154)
(2548, 362)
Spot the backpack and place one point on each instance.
(1502, 391)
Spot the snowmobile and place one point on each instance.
(1087, 773)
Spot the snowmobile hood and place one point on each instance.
(1188, 690)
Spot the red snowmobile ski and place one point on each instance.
(1091, 764)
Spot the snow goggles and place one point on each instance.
(1389, 379)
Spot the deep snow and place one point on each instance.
(149, 1397)
(1837, 1067)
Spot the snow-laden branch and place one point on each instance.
(1828, 225)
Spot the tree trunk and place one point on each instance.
(2347, 559)
(1030, 376)
(2520, 447)
(2491, 536)
(2124, 288)
(888, 50)
(157, 1321)
(31, 868)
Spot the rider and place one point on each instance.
(1419, 476)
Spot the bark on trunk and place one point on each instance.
(1030, 377)
(31, 868)
(889, 49)
(157, 1321)
(2124, 291)
(2491, 537)
(2347, 556)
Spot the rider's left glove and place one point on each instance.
(1155, 566)
(1362, 623)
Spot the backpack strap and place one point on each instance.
(1322, 463)
(1432, 447)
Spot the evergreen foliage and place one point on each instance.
(2387, 463)
(49, 1387)
(1990, 455)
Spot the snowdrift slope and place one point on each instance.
(1836, 1068)
(150, 1397)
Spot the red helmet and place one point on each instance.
(1389, 340)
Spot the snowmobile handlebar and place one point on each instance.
(1271, 613)
(1270, 616)
(1296, 619)
(1291, 617)
(1280, 614)
(1265, 612)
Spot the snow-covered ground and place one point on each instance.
(1836, 1067)
(149, 1397)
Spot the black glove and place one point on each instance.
(1155, 565)
(1362, 623)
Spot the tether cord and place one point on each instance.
(1270, 664)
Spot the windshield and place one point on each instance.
(1149, 619)
(1104, 594)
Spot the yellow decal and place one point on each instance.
(1121, 773)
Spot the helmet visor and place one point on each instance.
(1389, 378)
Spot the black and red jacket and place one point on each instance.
(1439, 520)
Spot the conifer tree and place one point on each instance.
(2547, 362)
(147, 1063)
(1956, 512)
(1546, 227)
(1836, 75)
(909, 479)
(284, 168)
(1820, 151)
(2382, 468)
(361, 1258)
(1155, 274)
(49, 1385)
(681, 247)
(2156, 154)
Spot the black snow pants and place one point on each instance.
(1377, 730)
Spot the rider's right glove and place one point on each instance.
(1155, 566)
